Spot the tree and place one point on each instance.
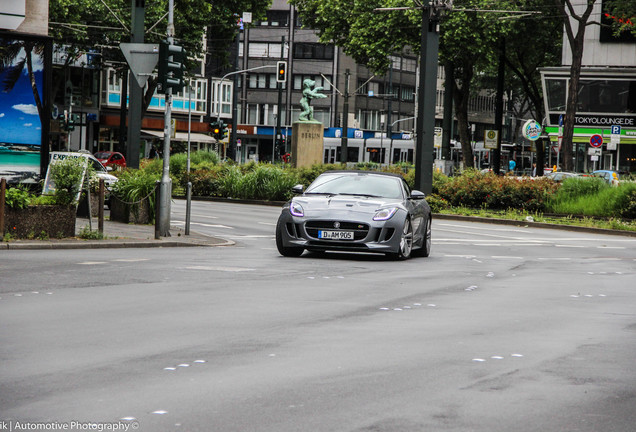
(79, 26)
(468, 39)
(575, 37)
(623, 13)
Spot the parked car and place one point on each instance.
(357, 211)
(559, 176)
(611, 177)
(111, 159)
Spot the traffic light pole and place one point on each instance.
(165, 187)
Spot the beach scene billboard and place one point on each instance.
(21, 108)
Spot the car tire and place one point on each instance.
(425, 250)
(406, 241)
(282, 249)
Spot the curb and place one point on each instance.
(535, 225)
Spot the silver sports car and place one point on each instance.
(359, 211)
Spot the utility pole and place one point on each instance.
(344, 151)
(425, 124)
(277, 132)
(165, 188)
(135, 92)
(499, 106)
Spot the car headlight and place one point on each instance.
(385, 214)
(296, 209)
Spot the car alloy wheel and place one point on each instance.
(406, 240)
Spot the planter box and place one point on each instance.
(82, 207)
(31, 222)
(130, 213)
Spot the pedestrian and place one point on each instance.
(534, 170)
(512, 165)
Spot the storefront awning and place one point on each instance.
(182, 136)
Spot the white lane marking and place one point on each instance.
(245, 237)
(223, 269)
(483, 228)
(203, 225)
(554, 259)
(507, 257)
(460, 256)
(513, 241)
(569, 246)
(486, 244)
(92, 262)
(267, 223)
(132, 259)
(610, 247)
(481, 234)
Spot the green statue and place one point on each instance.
(309, 92)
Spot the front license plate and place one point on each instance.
(336, 235)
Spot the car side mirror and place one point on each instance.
(109, 168)
(298, 189)
(417, 195)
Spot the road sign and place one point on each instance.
(596, 140)
(142, 59)
(616, 138)
(490, 139)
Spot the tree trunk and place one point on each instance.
(576, 45)
(462, 96)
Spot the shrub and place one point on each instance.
(67, 175)
(629, 209)
(134, 186)
(17, 198)
(437, 203)
(473, 189)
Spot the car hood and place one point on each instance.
(315, 205)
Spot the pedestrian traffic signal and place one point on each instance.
(281, 71)
(171, 67)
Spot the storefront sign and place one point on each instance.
(531, 130)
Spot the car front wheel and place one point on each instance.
(282, 249)
(406, 241)
(425, 250)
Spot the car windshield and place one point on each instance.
(102, 155)
(362, 185)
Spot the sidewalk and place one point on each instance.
(120, 235)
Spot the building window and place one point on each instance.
(262, 81)
(372, 86)
(315, 51)
(275, 18)
(320, 81)
(263, 50)
(369, 120)
(407, 93)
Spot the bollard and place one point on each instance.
(157, 207)
(188, 207)
(3, 189)
(100, 211)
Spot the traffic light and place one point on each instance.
(171, 67)
(216, 129)
(281, 71)
(223, 130)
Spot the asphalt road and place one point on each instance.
(500, 329)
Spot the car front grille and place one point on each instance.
(360, 230)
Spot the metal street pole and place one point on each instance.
(344, 150)
(135, 92)
(425, 125)
(165, 189)
(189, 185)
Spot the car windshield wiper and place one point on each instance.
(361, 194)
(320, 193)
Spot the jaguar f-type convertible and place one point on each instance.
(356, 211)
